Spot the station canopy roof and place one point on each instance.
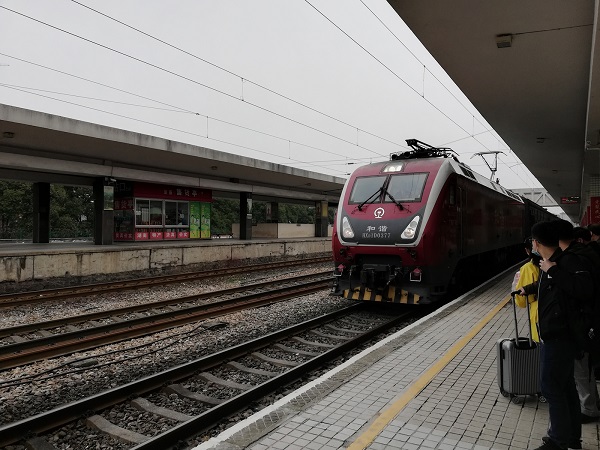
(36, 146)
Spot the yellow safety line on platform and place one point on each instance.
(365, 439)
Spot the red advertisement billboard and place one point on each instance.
(163, 191)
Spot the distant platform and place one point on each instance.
(21, 262)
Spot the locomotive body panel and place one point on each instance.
(405, 230)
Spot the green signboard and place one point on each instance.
(195, 219)
(205, 223)
(199, 220)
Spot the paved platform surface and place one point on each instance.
(430, 386)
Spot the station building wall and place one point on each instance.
(279, 230)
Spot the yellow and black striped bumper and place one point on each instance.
(390, 294)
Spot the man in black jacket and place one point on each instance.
(574, 240)
(564, 281)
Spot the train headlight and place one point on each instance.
(347, 231)
(394, 167)
(410, 231)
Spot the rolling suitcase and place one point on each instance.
(518, 362)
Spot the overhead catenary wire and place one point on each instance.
(244, 79)
(299, 103)
(168, 71)
(446, 144)
(426, 69)
(444, 86)
(306, 163)
(529, 183)
(96, 82)
(258, 84)
(95, 98)
(179, 110)
(146, 98)
(383, 64)
(368, 160)
(393, 73)
(157, 125)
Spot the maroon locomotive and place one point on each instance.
(408, 229)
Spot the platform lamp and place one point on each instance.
(504, 40)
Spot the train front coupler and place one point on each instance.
(378, 276)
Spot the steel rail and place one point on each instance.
(49, 420)
(29, 351)
(29, 297)
(187, 430)
(49, 324)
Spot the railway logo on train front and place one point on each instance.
(378, 213)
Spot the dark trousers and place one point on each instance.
(558, 386)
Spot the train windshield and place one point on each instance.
(406, 187)
(366, 188)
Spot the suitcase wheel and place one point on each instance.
(542, 399)
(518, 400)
(504, 393)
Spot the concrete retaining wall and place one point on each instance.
(82, 262)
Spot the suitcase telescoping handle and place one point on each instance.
(513, 293)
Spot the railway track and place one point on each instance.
(29, 297)
(174, 398)
(33, 342)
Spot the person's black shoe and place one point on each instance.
(588, 419)
(549, 444)
(572, 445)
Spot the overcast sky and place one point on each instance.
(321, 85)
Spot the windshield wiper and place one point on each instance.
(398, 204)
(370, 199)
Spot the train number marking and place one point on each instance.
(376, 235)
(376, 232)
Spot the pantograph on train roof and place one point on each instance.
(422, 150)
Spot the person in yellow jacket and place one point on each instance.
(529, 273)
